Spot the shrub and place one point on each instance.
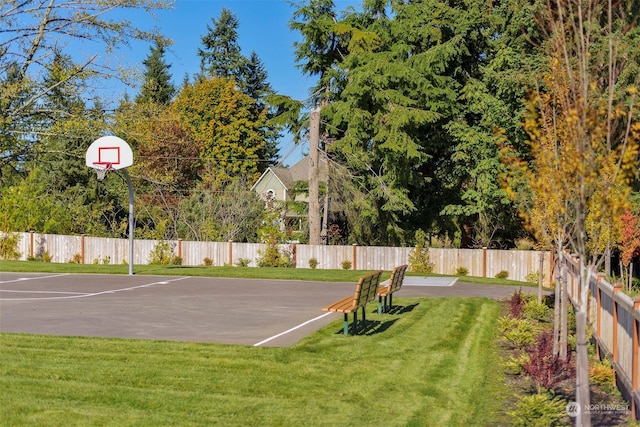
(313, 263)
(272, 257)
(162, 254)
(533, 277)
(602, 374)
(208, 262)
(176, 260)
(516, 304)
(462, 271)
(346, 265)
(502, 275)
(517, 332)
(546, 369)
(9, 246)
(536, 310)
(77, 259)
(243, 262)
(539, 409)
(43, 256)
(419, 258)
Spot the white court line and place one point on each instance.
(291, 330)
(22, 279)
(93, 294)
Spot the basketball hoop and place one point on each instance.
(102, 168)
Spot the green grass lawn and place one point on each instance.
(432, 365)
(318, 275)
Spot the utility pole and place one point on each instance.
(314, 192)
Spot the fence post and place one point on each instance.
(180, 248)
(230, 252)
(31, 244)
(635, 375)
(599, 311)
(616, 288)
(82, 251)
(484, 261)
(355, 262)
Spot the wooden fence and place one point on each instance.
(519, 265)
(615, 320)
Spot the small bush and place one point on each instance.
(419, 258)
(177, 260)
(243, 262)
(77, 259)
(533, 277)
(536, 310)
(546, 369)
(538, 410)
(41, 257)
(272, 257)
(517, 332)
(602, 374)
(502, 275)
(462, 271)
(516, 304)
(208, 262)
(9, 246)
(313, 263)
(162, 254)
(346, 265)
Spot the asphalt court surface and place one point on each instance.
(198, 309)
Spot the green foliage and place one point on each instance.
(517, 332)
(346, 265)
(9, 245)
(539, 410)
(272, 256)
(43, 256)
(533, 277)
(502, 274)
(419, 258)
(536, 310)
(602, 374)
(462, 271)
(77, 259)
(243, 262)
(162, 254)
(313, 263)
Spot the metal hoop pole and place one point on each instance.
(131, 220)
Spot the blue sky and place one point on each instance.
(263, 28)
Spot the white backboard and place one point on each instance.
(109, 152)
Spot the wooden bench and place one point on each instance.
(394, 285)
(366, 291)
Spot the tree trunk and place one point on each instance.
(314, 193)
(582, 360)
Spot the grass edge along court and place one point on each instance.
(433, 363)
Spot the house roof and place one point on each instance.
(297, 172)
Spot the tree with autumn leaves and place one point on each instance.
(583, 130)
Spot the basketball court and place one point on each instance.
(198, 309)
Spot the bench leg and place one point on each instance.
(364, 316)
(380, 304)
(346, 324)
(390, 301)
(355, 322)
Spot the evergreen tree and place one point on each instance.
(221, 55)
(157, 86)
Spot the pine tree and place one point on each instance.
(157, 86)
(221, 55)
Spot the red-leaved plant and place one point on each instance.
(516, 304)
(547, 370)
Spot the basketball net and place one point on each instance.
(101, 170)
